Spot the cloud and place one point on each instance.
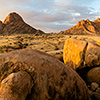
(77, 14)
(75, 2)
(50, 15)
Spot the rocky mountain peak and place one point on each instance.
(82, 22)
(84, 27)
(87, 20)
(13, 17)
(14, 24)
(98, 20)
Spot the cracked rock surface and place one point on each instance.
(79, 54)
(52, 79)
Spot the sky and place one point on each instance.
(51, 15)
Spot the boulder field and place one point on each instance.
(84, 57)
(33, 75)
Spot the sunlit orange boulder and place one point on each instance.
(79, 54)
(73, 52)
(98, 43)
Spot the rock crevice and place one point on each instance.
(82, 63)
(81, 53)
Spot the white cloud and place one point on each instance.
(62, 2)
(50, 15)
(77, 14)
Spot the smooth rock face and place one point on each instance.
(74, 52)
(16, 86)
(53, 80)
(94, 75)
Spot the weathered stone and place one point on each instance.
(16, 86)
(94, 86)
(73, 54)
(98, 90)
(96, 96)
(53, 80)
(90, 93)
(79, 54)
(92, 56)
(94, 75)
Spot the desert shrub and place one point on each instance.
(69, 36)
(10, 43)
(1, 51)
(42, 48)
(59, 43)
(75, 37)
(18, 37)
(21, 39)
(56, 48)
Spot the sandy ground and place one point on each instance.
(49, 43)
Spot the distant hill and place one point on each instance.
(14, 24)
(84, 27)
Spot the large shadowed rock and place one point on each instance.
(52, 79)
(16, 86)
(93, 75)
